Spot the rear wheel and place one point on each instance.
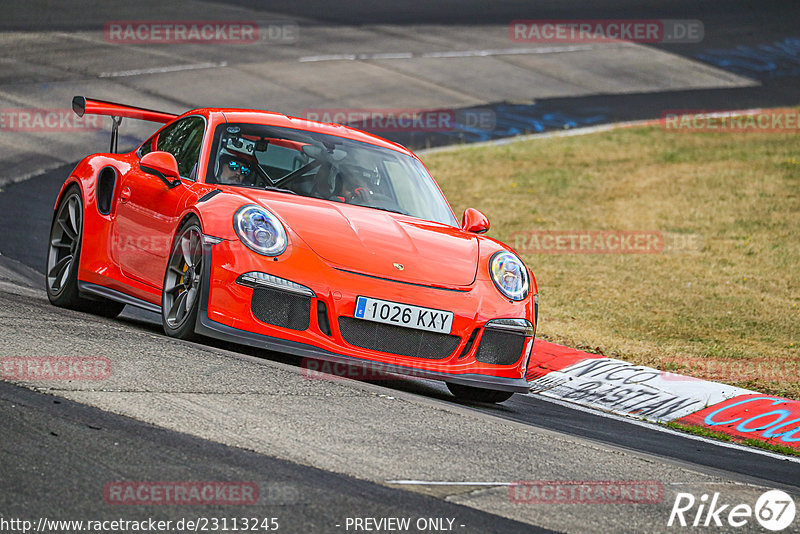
(180, 299)
(473, 394)
(63, 256)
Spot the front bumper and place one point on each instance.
(226, 313)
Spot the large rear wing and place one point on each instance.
(87, 106)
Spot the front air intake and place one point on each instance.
(500, 348)
(281, 308)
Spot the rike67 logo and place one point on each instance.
(774, 510)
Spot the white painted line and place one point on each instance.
(32, 174)
(328, 57)
(159, 70)
(398, 55)
(667, 430)
(448, 54)
(507, 51)
(445, 483)
(544, 135)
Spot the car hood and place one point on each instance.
(371, 241)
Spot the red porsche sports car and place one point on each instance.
(313, 239)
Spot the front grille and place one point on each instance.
(397, 339)
(280, 308)
(500, 348)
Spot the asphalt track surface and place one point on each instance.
(263, 402)
(57, 435)
(66, 452)
(17, 203)
(752, 28)
(57, 454)
(755, 40)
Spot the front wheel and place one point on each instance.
(180, 299)
(473, 394)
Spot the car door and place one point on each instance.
(148, 210)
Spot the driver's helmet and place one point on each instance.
(236, 164)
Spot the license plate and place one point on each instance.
(384, 311)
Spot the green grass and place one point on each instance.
(733, 297)
(705, 432)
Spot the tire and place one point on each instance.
(63, 258)
(183, 281)
(473, 394)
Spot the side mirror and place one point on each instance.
(474, 221)
(163, 166)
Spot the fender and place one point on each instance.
(216, 213)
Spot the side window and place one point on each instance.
(146, 148)
(183, 140)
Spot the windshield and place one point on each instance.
(326, 167)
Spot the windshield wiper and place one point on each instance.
(278, 189)
(385, 209)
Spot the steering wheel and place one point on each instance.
(361, 195)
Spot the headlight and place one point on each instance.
(509, 275)
(260, 230)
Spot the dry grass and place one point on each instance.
(736, 299)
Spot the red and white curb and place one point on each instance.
(621, 388)
(613, 386)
